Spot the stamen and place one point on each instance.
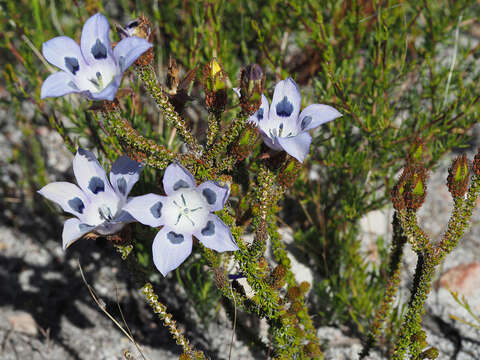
(183, 199)
(178, 218)
(105, 213)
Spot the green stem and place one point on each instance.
(393, 282)
(147, 75)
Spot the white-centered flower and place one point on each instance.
(186, 211)
(93, 68)
(281, 126)
(96, 202)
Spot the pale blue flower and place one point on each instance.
(96, 202)
(186, 211)
(281, 126)
(92, 69)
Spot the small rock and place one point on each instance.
(23, 322)
(464, 278)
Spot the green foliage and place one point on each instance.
(200, 288)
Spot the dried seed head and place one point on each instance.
(139, 27)
(173, 79)
(252, 84)
(458, 176)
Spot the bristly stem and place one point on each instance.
(230, 135)
(147, 75)
(161, 310)
(393, 282)
(147, 150)
(429, 257)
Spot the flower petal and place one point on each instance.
(271, 143)
(95, 40)
(90, 175)
(73, 230)
(315, 115)
(146, 209)
(124, 174)
(58, 84)
(214, 194)
(67, 195)
(108, 228)
(261, 113)
(177, 177)
(129, 49)
(64, 53)
(108, 93)
(285, 104)
(216, 235)
(298, 146)
(170, 249)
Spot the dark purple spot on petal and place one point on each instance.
(156, 210)
(96, 185)
(305, 122)
(99, 51)
(209, 230)
(180, 184)
(260, 114)
(175, 238)
(284, 108)
(87, 154)
(72, 64)
(210, 196)
(122, 185)
(76, 204)
(124, 165)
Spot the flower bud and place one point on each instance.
(458, 176)
(416, 151)
(215, 86)
(252, 83)
(411, 189)
(140, 28)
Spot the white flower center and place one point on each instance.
(281, 130)
(95, 77)
(185, 211)
(103, 209)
